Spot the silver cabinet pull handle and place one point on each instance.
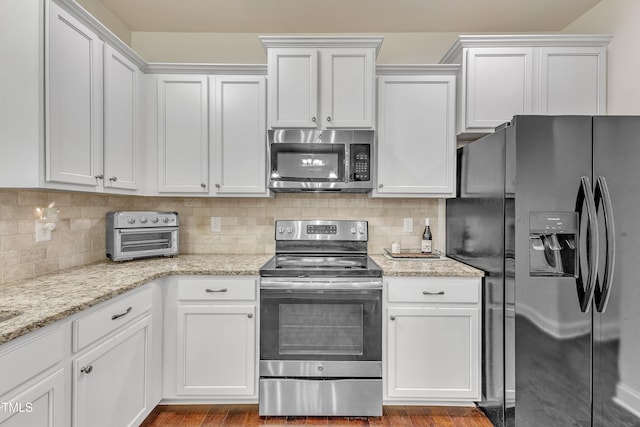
(99, 176)
(216, 290)
(432, 293)
(392, 317)
(117, 316)
(601, 294)
(86, 369)
(113, 179)
(250, 315)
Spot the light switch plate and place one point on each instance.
(408, 225)
(215, 224)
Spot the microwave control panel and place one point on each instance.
(360, 162)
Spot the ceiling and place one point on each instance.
(348, 16)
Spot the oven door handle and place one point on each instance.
(334, 284)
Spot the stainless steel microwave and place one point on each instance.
(320, 160)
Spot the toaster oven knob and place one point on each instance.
(289, 230)
(361, 230)
(280, 230)
(154, 219)
(143, 220)
(353, 230)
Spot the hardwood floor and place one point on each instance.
(247, 415)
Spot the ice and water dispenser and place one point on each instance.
(553, 244)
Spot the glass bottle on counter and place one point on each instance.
(426, 246)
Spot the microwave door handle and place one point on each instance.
(601, 295)
(585, 197)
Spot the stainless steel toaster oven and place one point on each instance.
(141, 234)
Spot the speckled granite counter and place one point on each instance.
(439, 268)
(46, 299)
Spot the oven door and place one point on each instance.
(336, 320)
(145, 242)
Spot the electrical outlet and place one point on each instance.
(215, 224)
(408, 225)
(43, 232)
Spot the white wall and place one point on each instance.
(245, 48)
(620, 18)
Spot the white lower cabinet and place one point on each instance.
(432, 340)
(216, 333)
(110, 381)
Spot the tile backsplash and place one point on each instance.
(247, 224)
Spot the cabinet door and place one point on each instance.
(216, 350)
(573, 81)
(40, 405)
(74, 100)
(433, 353)
(183, 152)
(348, 88)
(238, 135)
(416, 136)
(110, 381)
(499, 85)
(121, 81)
(293, 87)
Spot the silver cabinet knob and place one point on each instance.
(250, 315)
(380, 185)
(86, 369)
(392, 317)
(99, 176)
(203, 185)
(313, 119)
(113, 179)
(217, 185)
(328, 119)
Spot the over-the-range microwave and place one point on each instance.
(320, 160)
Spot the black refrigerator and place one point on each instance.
(549, 208)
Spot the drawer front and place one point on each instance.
(218, 289)
(117, 314)
(29, 359)
(434, 290)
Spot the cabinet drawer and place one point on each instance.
(29, 359)
(433, 290)
(96, 325)
(218, 289)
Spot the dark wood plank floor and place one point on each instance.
(247, 415)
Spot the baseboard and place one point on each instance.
(628, 398)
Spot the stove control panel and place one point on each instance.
(342, 230)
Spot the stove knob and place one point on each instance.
(131, 220)
(143, 220)
(154, 219)
(165, 219)
(353, 230)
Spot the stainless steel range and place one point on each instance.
(321, 322)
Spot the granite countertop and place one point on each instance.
(46, 299)
(430, 267)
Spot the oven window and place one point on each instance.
(146, 241)
(307, 162)
(320, 325)
(321, 329)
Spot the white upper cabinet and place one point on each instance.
(121, 121)
(321, 82)
(183, 141)
(74, 101)
(416, 132)
(238, 135)
(503, 76)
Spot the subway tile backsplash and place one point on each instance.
(247, 224)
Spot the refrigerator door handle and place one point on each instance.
(601, 293)
(585, 197)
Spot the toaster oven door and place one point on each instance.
(145, 242)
